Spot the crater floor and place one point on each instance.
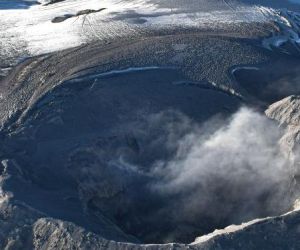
(180, 137)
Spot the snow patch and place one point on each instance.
(226, 230)
(288, 24)
(31, 29)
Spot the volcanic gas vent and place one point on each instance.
(168, 179)
(137, 158)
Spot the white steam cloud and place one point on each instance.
(237, 171)
(182, 179)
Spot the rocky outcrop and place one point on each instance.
(286, 112)
(46, 233)
(47, 2)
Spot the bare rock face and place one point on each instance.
(286, 112)
(280, 232)
(47, 2)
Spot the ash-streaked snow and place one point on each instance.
(30, 29)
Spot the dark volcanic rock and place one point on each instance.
(60, 19)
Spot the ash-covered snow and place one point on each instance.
(31, 30)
